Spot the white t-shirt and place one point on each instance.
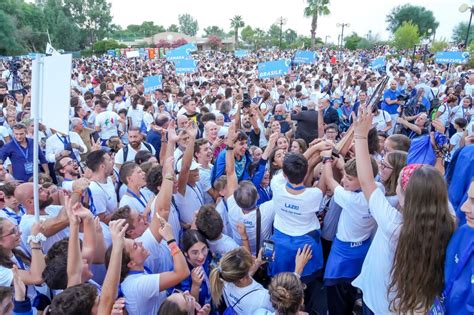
(355, 222)
(223, 211)
(136, 116)
(108, 122)
(119, 157)
(455, 141)
(381, 120)
(27, 222)
(4, 133)
(104, 197)
(205, 182)
(188, 204)
(160, 259)
(222, 246)
(461, 112)
(375, 277)
(133, 203)
(142, 293)
(445, 111)
(236, 215)
(250, 303)
(295, 215)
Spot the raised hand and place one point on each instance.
(117, 231)
(172, 136)
(362, 123)
(197, 276)
(302, 258)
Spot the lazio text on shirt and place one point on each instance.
(289, 209)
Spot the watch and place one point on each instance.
(327, 158)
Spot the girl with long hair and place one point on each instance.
(389, 169)
(403, 271)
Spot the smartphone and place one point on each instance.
(268, 250)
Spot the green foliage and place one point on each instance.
(274, 35)
(315, 9)
(247, 34)
(460, 31)
(439, 45)
(406, 36)
(103, 45)
(214, 30)
(187, 24)
(64, 33)
(352, 41)
(92, 16)
(173, 28)
(289, 36)
(364, 43)
(133, 31)
(236, 22)
(419, 16)
(8, 44)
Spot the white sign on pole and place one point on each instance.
(55, 93)
(133, 53)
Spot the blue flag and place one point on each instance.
(111, 52)
(377, 63)
(152, 83)
(177, 54)
(304, 57)
(447, 57)
(184, 66)
(241, 53)
(273, 69)
(189, 47)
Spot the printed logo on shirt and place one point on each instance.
(356, 244)
(291, 209)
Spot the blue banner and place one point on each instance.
(241, 53)
(152, 83)
(304, 57)
(273, 69)
(184, 66)
(377, 63)
(189, 47)
(111, 52)
(177, 54)
(447, 57)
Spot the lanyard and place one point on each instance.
(173, 202)
(12, 215)
(133, 272)
(225, 205)
(295, 187)
(138, 198)
(198, 195)
(23, 152)
(91, 201)
(20, 262)
(65, 141)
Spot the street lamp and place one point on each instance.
(326, 40)
(463, 8)
(281, 21)
(342, 25)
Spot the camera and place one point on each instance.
(403, 97)
(246, 100)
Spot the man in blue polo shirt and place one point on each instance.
(390, 102)
(20, 152)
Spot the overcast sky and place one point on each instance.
(363, 15)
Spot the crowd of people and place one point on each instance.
(319, 192)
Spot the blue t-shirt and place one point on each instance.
(392, 95)
(460, 299)
(19, 157)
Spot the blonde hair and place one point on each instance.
(286, 293)
(233, 266)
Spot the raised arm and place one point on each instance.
(187, 159)
(112, 278)
(362, 125)
(163, 199)
(34, 275)
(232, 182)
(74, 257)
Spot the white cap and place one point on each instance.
(194, 165)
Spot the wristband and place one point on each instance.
(37, 248)
(78, 191)
(175, 251)
(228, 148)
(36, 238)
(173, 246)
(171, 241)
(360, 137)
(326, 159)
(297, 275)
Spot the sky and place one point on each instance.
(362, 15)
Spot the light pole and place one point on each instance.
(463, 8)
(281, 21)
(326, 40)
(342, 25)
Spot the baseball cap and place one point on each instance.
(194, 165)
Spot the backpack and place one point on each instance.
(125, 150)
(434, 106)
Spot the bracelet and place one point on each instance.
(171, 241)
(169, 177)
(37, 248)
(245, 239)
(360, 137)
(228, 148)
(175, 251)
(173, 246)
(327, 159)
(297, 275)
(36, 238)
(78, 191)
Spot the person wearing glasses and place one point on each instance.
(68, 169)
(389, 169)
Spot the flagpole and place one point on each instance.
(36, 95)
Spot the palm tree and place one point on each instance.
(236, 22)
(314, 9)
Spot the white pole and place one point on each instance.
(36, 95)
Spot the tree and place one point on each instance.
(365, 43)
(460, 31)
(8, 43)
(237, 22)
(419, 16)
(92, 16)
(103, 45)
(247, 34)
(173, 28)
(406, 36)
(352, 41)
(64, 33)
(214, 30)
(260, 38)
(187, 24)
(315, 9)
(439, 45)
(274, 35)
(290, 36)
(214, 41)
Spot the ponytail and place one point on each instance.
(217, 285)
